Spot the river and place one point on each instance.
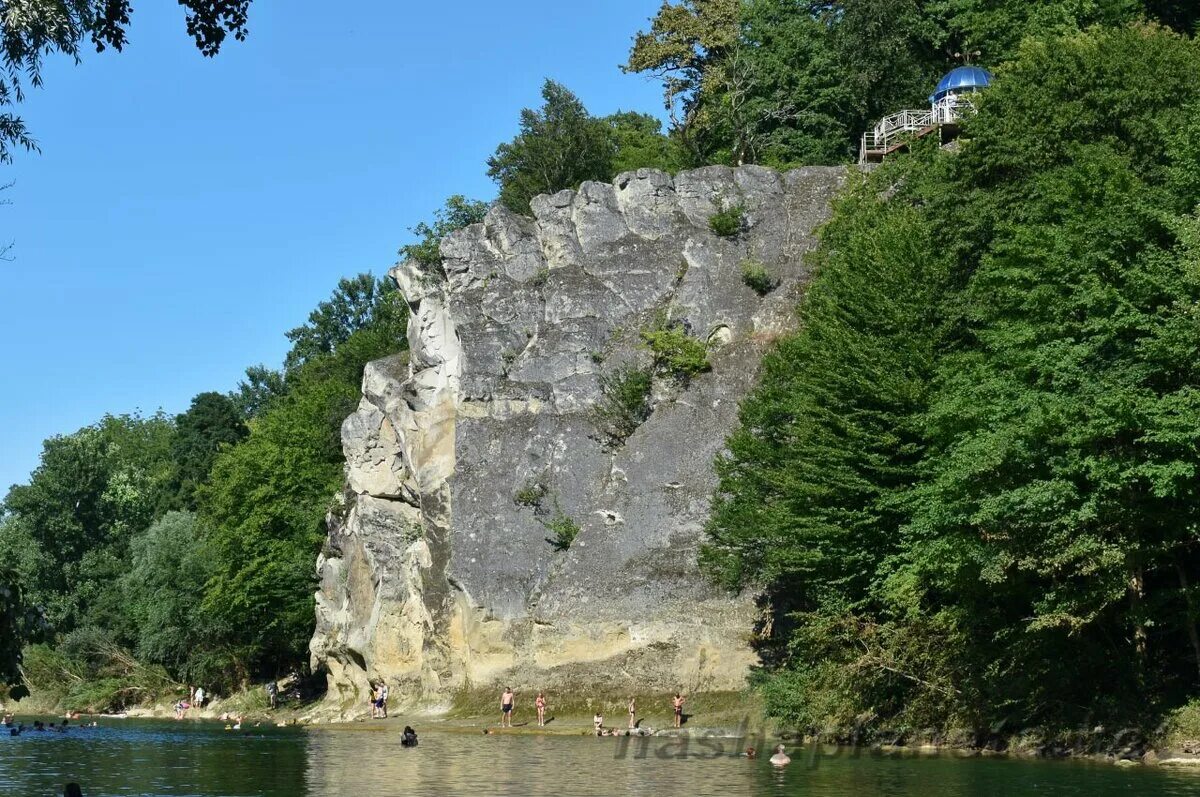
(143, 758)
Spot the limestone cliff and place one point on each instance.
(438, 573)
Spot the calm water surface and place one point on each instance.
(203, 759)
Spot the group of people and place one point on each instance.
(508, 702)
(379, 700)
(17, 728)
(195, 699)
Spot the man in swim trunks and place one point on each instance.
(632, 713)
(507, 702)
(677, 703)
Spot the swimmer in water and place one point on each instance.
(780, 759)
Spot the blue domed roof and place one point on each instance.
(963, 78)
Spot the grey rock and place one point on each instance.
(438, 572)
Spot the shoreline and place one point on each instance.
(749, 724)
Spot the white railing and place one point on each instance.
(892, 129)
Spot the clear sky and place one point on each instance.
(185, 212)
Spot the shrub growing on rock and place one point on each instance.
(563, 529)
(729, 222)
(676, 353)
(624, 405)
(756, 276)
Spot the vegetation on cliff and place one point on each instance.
(968, 485)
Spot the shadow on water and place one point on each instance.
(139, 759)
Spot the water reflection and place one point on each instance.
(145, 759)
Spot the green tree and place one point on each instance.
(20, 624)
(687, 47)
(257, 390)
(169, 568)
(266, 498)
(456, 213)
(31, 30)
(639, 143)
(560, 145)
(212, 421)
(976, 460)
(358, 302)
(71, 524)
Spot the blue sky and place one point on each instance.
(185, 212)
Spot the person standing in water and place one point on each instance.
(677, 704)
(632, 713)
(507, 703)
(540, 702)
(780, 759)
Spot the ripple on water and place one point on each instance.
(140, 759)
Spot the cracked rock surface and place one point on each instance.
(438, 572)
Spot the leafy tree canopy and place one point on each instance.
(978, 458)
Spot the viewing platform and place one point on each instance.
(894, 133)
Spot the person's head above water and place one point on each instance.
(72, 790)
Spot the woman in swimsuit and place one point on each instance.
(541, 709)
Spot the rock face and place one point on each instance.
(467, 451)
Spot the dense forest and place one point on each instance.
(965, 489)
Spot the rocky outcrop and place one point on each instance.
(468, 451)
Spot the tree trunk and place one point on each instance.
(1137, 590)
(1191, 612)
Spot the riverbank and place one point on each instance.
(717, 715)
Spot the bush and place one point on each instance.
(1181, 728)
(624, 404)
(564, 529)
(756, 276)
(728, 223)
(676, 353)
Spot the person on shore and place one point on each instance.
(540, 702)
(632, 713)
(598, 722)
(677, 703)
(780, 759)
(198, 698)
(409, 737)
(383, 699)
(373, 698)
(508, 701)
(272, 694)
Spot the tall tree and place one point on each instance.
(358, 302)
(560, 145)
(212, 421)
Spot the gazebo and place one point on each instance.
(946, 105)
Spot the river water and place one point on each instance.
(193, 758)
